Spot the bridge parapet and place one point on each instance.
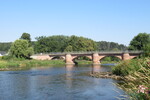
(96, 56)
(90, 52)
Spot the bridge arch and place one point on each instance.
(88, 57)
(111, 58)
(58, 57)
(83, 57)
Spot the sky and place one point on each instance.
(101, 20)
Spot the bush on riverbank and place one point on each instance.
(109, 62)
(80, 62)
(136, 75)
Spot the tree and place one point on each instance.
(5, 46)
(146, 50)
(139, 41)
(109, 46)
(26, 36)
(82, 44)
(62, 43)
(51, 44)
(68, 48)
(21, 49)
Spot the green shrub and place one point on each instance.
(7, 57)
(136, 74)
(129, 66)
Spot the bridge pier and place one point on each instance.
(96, 58)
(69, 59)
(126, 56)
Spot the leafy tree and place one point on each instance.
(115, 49)
(68, 48)
(139, 41)
(109, 46)
(26, 36)
(21, 49)
(5, 46)
(51, 44)
(62, 43)
(82, 44)
(146, 50)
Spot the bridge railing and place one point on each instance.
(87, 52)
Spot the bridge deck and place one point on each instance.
(91, 52)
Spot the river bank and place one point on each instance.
(135, 76)
(18, 64)
(13, 64)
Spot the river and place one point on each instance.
(58, 83)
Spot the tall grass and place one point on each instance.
(136, 75)
(14, 63)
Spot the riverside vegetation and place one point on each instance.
(15, 63)
(136, 77)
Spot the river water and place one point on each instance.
(58, 83)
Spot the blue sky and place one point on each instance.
(101, 20)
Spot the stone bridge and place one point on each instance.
(69, 57)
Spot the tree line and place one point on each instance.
(24, 47)
(61, 43)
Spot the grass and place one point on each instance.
(6, 64)
(109, 62)
(136, 74)
(80, 62)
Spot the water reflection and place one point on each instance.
(56, 83)
(96, 68)
(100, 68)
(69, 75)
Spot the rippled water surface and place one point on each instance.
(57, 83)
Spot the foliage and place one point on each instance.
(146, 50)
(16, 63)
(21, 49)
(110, 59)
(62, 43)
(81, 44)
(5, 46)
(7, 57)
(26, 36)
(136, 79)
(127, 67)
(50, 44)
(110, 46)
(68, 48)
(139, 41)
(80, 62)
